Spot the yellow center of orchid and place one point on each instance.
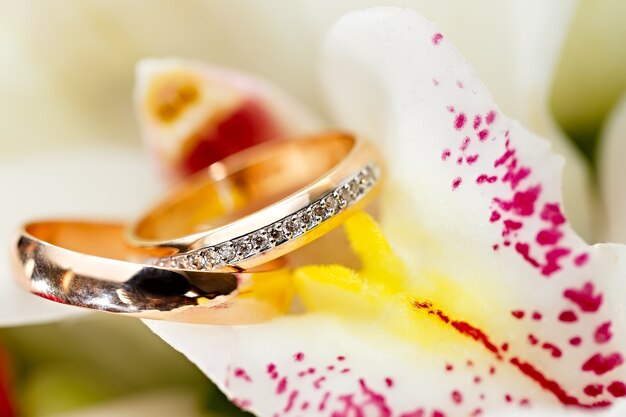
(433, 310)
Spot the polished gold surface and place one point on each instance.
(88, 265)
(253, 190)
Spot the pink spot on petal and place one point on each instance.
(548, 237)
(465, 144)
(552, 213)
(491, 116)
(436, 39)
(600, 364)
(389, 382)
(603, 333)
(495, 216)
(478, 119)
(575, 341)
(581, 259)
(456, 182)
(518, 314)
(593, 390)
(486, 178)
(568, 316)
(445, 154)
(457, 397)
(482, 135)
(450, 109)
(459, 121)
(460, 84)
(617, 389)
(282, 385)
(435, 82)
(553, 349)
(299, 357)
(471, 159)
(584, 297)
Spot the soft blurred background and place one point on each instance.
(66, 78)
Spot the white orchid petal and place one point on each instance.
(517, 64)
(493, 223)
(613, 171)
(99, 182)
(193, 114)
(511, 317)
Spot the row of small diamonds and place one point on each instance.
(343, 196)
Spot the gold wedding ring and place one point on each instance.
(90, 265)
(260, 204)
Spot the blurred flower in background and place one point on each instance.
(68, 123)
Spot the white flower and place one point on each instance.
(473, 210)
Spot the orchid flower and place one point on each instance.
(447, 300)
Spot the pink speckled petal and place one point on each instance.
(475, 196)
(613, 171)
(193, 114)
(471, 196)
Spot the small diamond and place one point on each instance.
(243, 248)
(331, 203)
(161, 263)
(260, 241)
(197, 261)
(291, 227)
(354, 188)
(227, 252)
(345, 197)
(212, 259)
(184, 262)
(276, 234)
(174, 263)
(305, 219)
(319, 212)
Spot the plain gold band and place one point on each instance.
(88, 265)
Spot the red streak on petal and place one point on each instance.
(552, 386)
(537, 316)
(291, 401)
(584, 297)
(524, 250)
